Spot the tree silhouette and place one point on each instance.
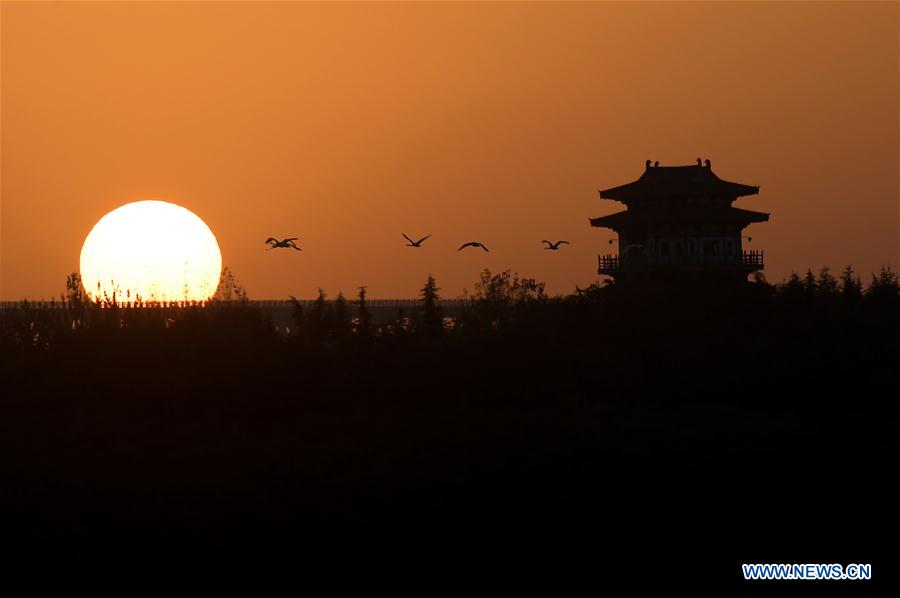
(363, 316)
(318, 322)
(499, 297)
(810, 286)
(851, 288)
(75, 299)
(884, 288)
(432, 316)
(297, 316)
(229, 288)
(826, 285)
(341, 325)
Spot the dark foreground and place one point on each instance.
(602, 439)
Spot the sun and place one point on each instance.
(150, 251)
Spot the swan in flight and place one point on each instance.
(554, 246)
(414, 243)
(472, 244)
(284, 243)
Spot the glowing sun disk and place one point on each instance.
(151, 251)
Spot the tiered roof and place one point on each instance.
(679, 196)
(678, 181)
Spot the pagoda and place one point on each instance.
(679, 225)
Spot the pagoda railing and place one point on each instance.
(753, 259)
(610, 265)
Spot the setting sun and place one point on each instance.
(151, 251)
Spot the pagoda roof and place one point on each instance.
(678, 181)
(680, 215)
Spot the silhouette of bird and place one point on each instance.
(554, 246)
(414, 243)
(699, 163)
(656, 164)
(284, 243)
(472, 244)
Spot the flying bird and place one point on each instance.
(472, 244)
(284, 243)
(554, 246)
(414, 243)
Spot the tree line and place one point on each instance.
(501, 303)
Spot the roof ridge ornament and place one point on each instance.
(708, 164)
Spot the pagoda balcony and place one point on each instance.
(611, 265)
(753, 259)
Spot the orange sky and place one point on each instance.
(346, 124)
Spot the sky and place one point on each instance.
(347, 124)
